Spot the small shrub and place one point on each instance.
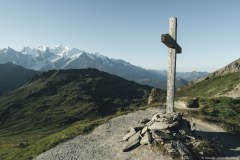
(192, 103)
(204, 148)
(23, 145)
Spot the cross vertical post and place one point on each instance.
(171, 66)
(170, 40)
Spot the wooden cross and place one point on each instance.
(170, 40)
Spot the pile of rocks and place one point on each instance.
(171, 130)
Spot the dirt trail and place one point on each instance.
(235, 93)
(103, 143)
(230, 143)
(181, 105)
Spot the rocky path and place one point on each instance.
(103, 143)
(235, 93)
(181, 105)
(230, 143)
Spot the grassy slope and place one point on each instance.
(211, 87)
(13, 76)
(222, 110)
(59, 105)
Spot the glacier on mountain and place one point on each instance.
(63, 57)
(58, 57)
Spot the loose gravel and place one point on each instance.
(103, 143)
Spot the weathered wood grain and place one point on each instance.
(171, 66)
(171, 43)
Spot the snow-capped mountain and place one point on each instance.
(59, 57)
(45, 58)
(63, 57)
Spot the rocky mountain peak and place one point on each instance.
(230, 68)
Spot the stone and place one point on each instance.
(162, 125)
(156, 135)
(193, 126)
(170, 148)
(145, 121)
(170, 129)
(183, 150)
(172, 117)
(191, 137)
(172, 151)
(184, 127)
(129, 134)
(158, 140)
(144, 130)
(138, 128)
(132, 142)
(166, 136)
(178, 136)
(166, 131)
(174, 124)
(155, 96)
(162, 135)
(158, 126)
(196, 144)
(157, 116)
(147, 139)
(150, 123)
(183, 132)
(177, 117)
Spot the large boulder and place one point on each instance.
(155, 96)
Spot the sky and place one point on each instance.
(208, 31)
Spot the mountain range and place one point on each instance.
(63, 57)
(56, 105)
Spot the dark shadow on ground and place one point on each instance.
(230, 143)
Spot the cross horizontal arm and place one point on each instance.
(170, 42)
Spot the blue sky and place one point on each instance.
(208, 31)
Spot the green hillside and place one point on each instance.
(13, 76)
(214, 105)
(58, 105)
(211, 86)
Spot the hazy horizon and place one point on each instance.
(128, 30)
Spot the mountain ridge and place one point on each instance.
(230, 68)
(62, 104)
(13, 76)
(63, 57)
(223, 82)
(73, 86)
